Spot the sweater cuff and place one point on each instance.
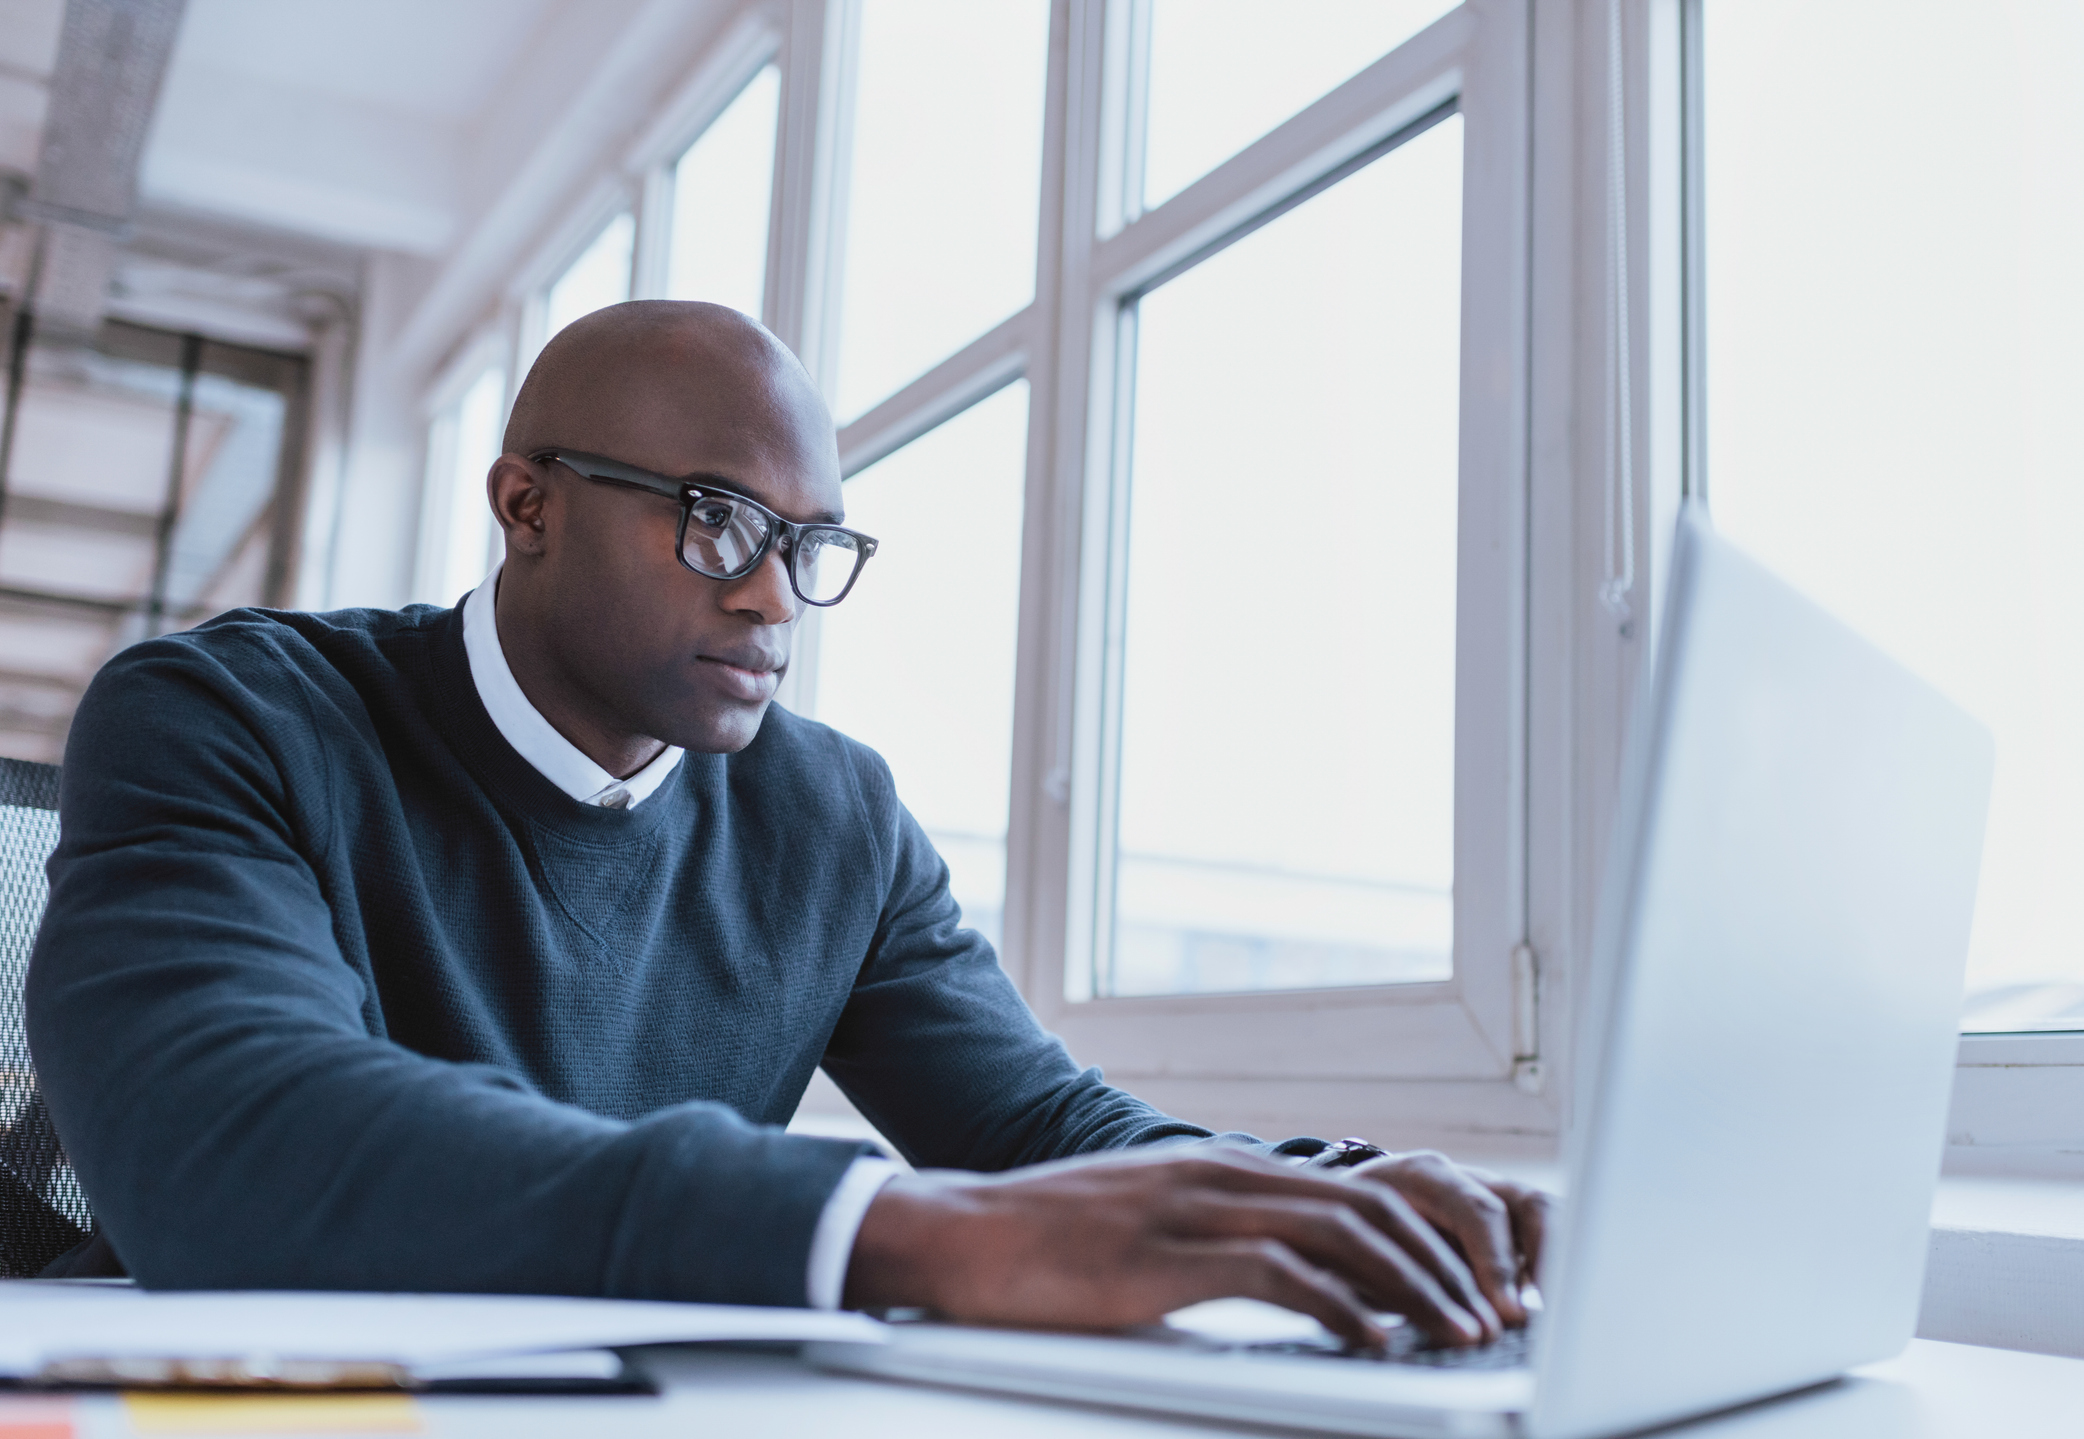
(832, 1242)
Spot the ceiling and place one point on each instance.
(346, 119)
(297, 148)
(409, 58)
(311, 134)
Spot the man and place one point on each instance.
(487, 949)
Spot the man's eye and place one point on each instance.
(713, 517)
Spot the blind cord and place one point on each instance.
(1618, 585)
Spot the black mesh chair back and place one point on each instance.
(43, 1210)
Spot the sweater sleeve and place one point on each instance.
(203, 1045)
(937, 1049)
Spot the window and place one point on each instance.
(1893, 305)
(1224, 72)
(459, 540)
(1284, 807)
(918, 663)
(722, 186)
(1240, 877)
(598, 278)
(944, 184)
(149, 485)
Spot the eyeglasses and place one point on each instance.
(724, 536)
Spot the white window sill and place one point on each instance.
(2007, 1264)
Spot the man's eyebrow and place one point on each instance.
(731, 486)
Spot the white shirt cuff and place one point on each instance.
(832, 1242)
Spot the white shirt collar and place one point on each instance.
(522, 725)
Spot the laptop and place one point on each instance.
(1766, 1051)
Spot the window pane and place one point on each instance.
(88, 490)
(1224, 72)
(219, 550)
(941, 209)
(918, 660)
(721, 188)
(462, 446)
(1894, 318)
(598, 278)
(96, 432)
(1286, 810)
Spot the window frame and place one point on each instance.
(1207, 1053)
(752, 43)
(606, 203)
(441, 408)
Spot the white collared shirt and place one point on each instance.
(565, 765)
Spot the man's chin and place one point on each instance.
(723, 731)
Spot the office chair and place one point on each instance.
(43, 1210)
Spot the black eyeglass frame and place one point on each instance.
(690, 488)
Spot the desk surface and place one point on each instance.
(1935, 1391)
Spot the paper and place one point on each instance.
(35, 1416)
(45, 1325)
(273, 1413)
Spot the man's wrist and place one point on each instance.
(905, 1246)
(839, 1226)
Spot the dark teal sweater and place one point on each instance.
(336, 991)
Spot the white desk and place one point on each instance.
(1935, 1391)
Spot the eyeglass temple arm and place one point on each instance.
(608, 473)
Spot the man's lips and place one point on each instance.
(749, 675)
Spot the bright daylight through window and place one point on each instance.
(1285, 813)
(457, 529)
(598, 278)
(1200, 113)
(721, 189)
(1894, 311)
(942, 201)
(936, 700)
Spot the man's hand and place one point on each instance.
(1495, 1224)
(1125, 1238)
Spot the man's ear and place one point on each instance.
(515, 488)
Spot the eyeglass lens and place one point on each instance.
(724, 535)
(825, 561)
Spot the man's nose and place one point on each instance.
(764, 593)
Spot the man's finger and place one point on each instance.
(1530, 1225)
(1269, 1270)
(1395, 1216)
(1530, 1208)
(1381, 1205)
(1477, 1220)
(1334, 1237)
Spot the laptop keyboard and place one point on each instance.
(1406, 1346)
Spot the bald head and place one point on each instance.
(686, 363)
(620, 646)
